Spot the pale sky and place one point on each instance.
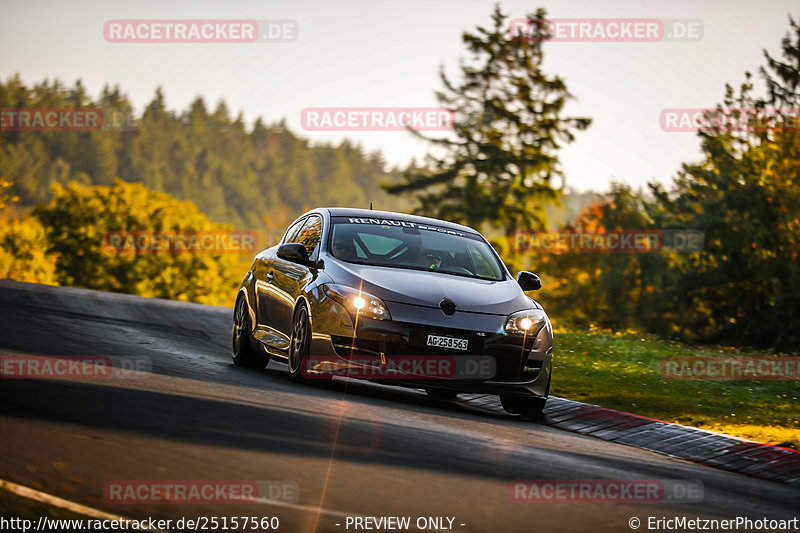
(373, 53)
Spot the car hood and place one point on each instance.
(425, 288)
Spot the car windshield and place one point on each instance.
(402, 244)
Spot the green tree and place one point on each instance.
(501, 160)
(743, 288)
(208, 157)
(783, 76)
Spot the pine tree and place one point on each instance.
(502, 157)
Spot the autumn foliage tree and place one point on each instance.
(80, 218)
(23, 244)
(743, 287)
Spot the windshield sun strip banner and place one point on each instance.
(399, 224)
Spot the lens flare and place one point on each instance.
(359, 303)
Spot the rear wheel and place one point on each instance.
(245, 352)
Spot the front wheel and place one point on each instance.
(527, 406)
(299, 346)
(520, 405)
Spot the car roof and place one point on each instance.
(371, 213)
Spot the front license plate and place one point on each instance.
(447, 342)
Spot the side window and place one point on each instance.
(483, 266)
(292, 231)
(310, 234)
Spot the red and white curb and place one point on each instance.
(683, 442)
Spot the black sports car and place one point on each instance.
(395, 298)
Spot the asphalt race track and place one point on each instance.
(352, 448)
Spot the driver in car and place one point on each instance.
(344, 249)
(430, 260)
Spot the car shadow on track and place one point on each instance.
(465, 406)
(274, 429)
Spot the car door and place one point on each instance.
(264, 277)
(289, 278)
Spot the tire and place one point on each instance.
(299, 347)
(245, 353)
(442, 394)
(527, 406)
(519, 405)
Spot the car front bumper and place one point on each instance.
(521, 363)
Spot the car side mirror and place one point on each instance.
(294, 252)
(529, 281)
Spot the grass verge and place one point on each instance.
(622, 371)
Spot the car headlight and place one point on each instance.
(526, 321)
(357, 302)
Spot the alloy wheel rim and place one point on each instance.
(238, 326)
(298, 339)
